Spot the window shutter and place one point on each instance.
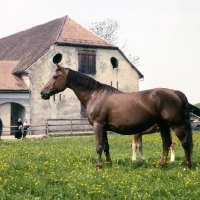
(87, 61)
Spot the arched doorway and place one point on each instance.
(9, 113)
(17, 111)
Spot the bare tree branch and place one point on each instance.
(108, 30)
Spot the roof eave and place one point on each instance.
(14, 91)
(141, 76)
(85, 45)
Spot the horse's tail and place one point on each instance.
(186, 123)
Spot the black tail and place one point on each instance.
(187, 124)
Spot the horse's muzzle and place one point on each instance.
(45, 96)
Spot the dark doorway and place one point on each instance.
(17, 111)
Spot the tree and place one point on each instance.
(108, 30)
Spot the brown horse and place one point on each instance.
(109, 109)
(137, 143)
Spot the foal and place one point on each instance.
(137, 143)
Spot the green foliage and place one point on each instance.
(64, 168)
(197, 105)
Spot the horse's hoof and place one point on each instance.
(160, 166)
(186, 168)
(99, 166)
(108, 163)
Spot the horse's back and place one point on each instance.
(136, 112)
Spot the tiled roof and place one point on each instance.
(29, 45)
(73, 33)
(8, 81)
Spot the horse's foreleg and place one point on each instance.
(99, 137)
(106, 149)
(140, 146)
(172, 149)
(165, 134)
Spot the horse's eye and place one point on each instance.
(55, 76)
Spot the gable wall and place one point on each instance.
(69, 106)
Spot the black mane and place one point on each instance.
(85, 82)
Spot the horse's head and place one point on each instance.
(58, 82)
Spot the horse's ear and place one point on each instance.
(57, 58)
(59, 67)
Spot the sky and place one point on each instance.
(164, 34)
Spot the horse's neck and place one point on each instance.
(82, 85)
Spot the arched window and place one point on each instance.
(114, 62)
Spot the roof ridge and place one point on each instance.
(60, 31)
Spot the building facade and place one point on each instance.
(29, 55)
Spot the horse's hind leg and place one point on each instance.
(186, 144)
(166, 140)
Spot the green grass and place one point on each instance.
(64, 168)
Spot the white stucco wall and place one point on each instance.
(125, 75)
(5, 110)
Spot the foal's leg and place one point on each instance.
(106, 149)
(134, 146)
(137, 142)
(165, 134)
(172, 149)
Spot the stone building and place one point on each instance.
(26, 65)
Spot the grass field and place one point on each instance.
(64, 168)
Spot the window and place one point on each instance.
(114, 62)
(87, 61)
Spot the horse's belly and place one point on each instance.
(130, 129)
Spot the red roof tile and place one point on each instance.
(8, 81)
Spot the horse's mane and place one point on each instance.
(85, 82)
